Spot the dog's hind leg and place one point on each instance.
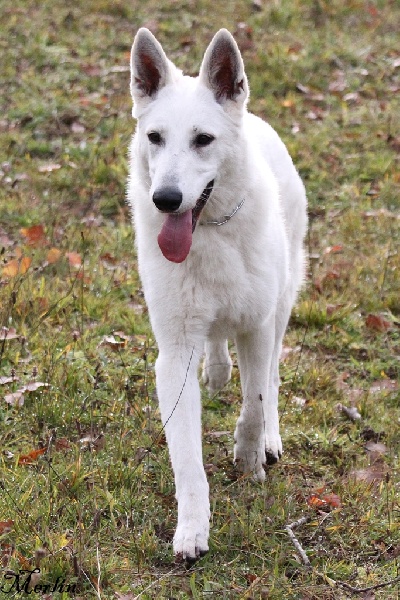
(179, 397)
(257, 438)
(217, 365)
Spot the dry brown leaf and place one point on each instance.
(109, 260)
(34, 235)
(74, 259)
(18, 266)
(62, 444)
(28, 459)
(378, 323)
(53, 255)
(338, 249)
(325, 501)
(6, 526)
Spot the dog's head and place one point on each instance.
(187, 129)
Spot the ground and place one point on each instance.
(87, 494)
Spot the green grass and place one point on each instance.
(97, 509)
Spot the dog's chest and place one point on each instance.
(230, 295)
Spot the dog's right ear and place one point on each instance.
(150, 69)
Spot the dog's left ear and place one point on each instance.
(222, 70)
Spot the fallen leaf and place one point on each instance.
(333, 249)
(15, 399)
(375, 451)
(34, 235)
(371, 475)
(74, 259)
(49, 167)
(139, 454)
(217, 434)
(91, 442)
(113, 342)
(332, 500)
(109, 261)
(390, 385)
(33, 386)
(4, 380)
(376, 447)
(6, 526)
(210, 469)
(53, 255)
(28, 459)
(122, 335)
(377, 323)
(350, 412)
(326, 501)
(315, 501)
(380, 212)
(18, 266)
(62, 444)
(8, 334)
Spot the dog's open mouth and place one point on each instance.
(175, 237)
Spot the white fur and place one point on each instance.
(239, 280)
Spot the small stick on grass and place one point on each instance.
(289, 528)
(367, 589)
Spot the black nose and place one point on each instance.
(167, 199)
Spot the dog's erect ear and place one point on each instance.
(222, 70)
(150, 69)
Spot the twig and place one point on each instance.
(98, 573)
(367, 589)
(289, 528)
(296, 543)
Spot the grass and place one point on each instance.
(97, 508)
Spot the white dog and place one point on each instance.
(220, 217)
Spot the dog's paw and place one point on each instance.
(273, 449)
(191, 541)
(250, 462)
(216, 376)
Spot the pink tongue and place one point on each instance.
(175, 237)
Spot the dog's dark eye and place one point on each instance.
(203, 139)
(154, 137)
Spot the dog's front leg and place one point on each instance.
(179, 397)
(257, 439)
